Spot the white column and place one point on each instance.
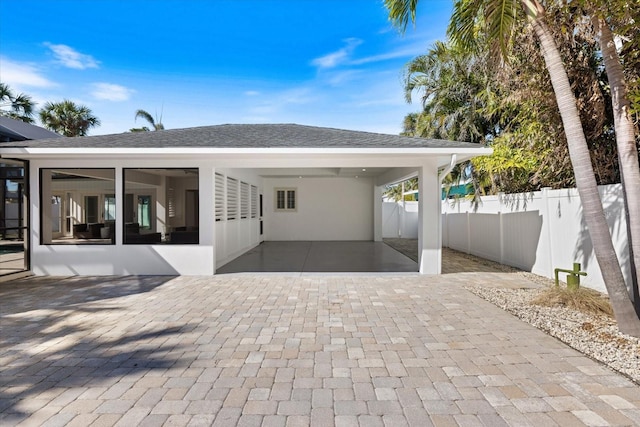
(45, 214)
(377, 213)
(429, 219)
(120, 190)
(207, 194)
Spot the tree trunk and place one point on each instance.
(625, 139)
(625, 314)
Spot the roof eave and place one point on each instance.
(34, 152)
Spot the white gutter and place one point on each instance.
(279, 151)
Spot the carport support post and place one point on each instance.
(377, 213)
(429, 219)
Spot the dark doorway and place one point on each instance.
(14, 222)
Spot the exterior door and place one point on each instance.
(14, 222)
(261, 223)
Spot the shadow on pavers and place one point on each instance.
(49, 311)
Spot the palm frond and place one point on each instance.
(462, 30)
(400, 11)
(500, 16)
(146, 116)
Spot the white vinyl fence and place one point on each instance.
(400, 220)
(536, 231)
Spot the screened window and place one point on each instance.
(286, 199)
(81, 206)
(161, 206)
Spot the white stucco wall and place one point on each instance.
(329, 208)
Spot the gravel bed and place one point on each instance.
(595, 336)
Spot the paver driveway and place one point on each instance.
(266, 350)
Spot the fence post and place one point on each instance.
(468, 233)
(400, 218)
(501, 236)
(445, 230)
(546, 219)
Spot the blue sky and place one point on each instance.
(334, 63)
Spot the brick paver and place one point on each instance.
(266, 350)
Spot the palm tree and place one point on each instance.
(625, 140)
(157, 125)
(453, 91)
(68, 118)
(20, 107)
(496, 19)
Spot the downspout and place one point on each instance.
(448, 169)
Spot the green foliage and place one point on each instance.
(15, 106)
(469, 93)
(68, 118)
(455, 92)
(395, 191)
(510, 167)
(400, 11)
(498, 20)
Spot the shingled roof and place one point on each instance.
(244, 136)
(16, 130)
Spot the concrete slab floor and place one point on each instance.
(264, 350)
(321, 256)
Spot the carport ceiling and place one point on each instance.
(320, 172)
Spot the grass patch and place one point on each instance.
(582, 299)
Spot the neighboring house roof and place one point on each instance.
(16, 130)
(246, 136)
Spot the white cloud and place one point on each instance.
(345, 56)
(22, 74)
(111, 92)
(338, 57)
(400, 53)
(71, 58)
(277, 103)
(252, 93)
(339, 78)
